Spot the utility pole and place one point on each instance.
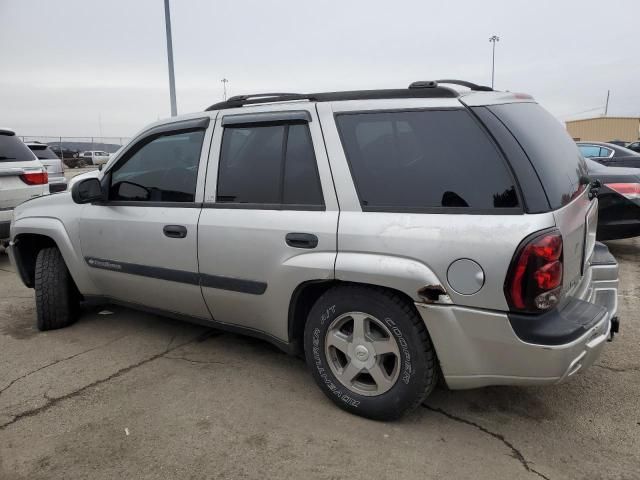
(224, 86)
(606, 105)
(493, 39)
(172, 79)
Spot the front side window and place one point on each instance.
(161, 170)
(413, 160)
(271, 164)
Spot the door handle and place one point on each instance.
(301, 240)
(175, 231)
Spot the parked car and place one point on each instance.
(465, 243)
(22, 177)
(54, 166)
(635, 146)
(95, 157)
(609, 154)
(618, 201)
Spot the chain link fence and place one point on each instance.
(79, 144)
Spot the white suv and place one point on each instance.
(22, 177)
(392, 236)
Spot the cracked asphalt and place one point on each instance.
(132, 395)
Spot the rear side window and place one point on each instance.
(13, 150)
(554, 155)
(268, 165)
(422, 160)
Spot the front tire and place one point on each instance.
(57, 298)
(369, 351)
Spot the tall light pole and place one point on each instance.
(172, 78)
(224, 86)
(493, 39)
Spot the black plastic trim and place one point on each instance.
(124, 203)
(239, 101)
(444, 210)
(174, 127)
(266, 117)
(234, 284)
(57, 187)
(558, 326)
(264, 206)
(192, 278)
(301, 240)
(5, 229)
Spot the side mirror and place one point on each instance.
(100, 167)
(87, 191)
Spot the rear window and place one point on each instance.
(43, 152)
(554, 155)
(423, 160)
(13, 150)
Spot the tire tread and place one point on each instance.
(55, 292)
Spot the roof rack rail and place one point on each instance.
(425, 89)
(241, 100)
(464, 83)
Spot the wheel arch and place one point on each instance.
(307, 294)
(30, 235)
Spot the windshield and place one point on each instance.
(13, 150)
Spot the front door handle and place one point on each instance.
(175, 231)
(301, 240)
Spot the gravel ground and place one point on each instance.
(132, 395)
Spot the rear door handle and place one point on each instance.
(175, 231)
(301, 240)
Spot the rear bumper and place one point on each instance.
(5, 222)
(4, 229)
(477, 348)
(55, 187)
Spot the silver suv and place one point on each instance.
(390, 236)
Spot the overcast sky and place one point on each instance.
(97, 67)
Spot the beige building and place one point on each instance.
(603, 129)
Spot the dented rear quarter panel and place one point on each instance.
(411, 251)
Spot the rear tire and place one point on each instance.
(57, 298)
(394, 359)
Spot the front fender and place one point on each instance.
(54, 229)
(409, 276)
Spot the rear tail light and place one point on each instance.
(35, 177)
(534, 280)
(627, 190)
